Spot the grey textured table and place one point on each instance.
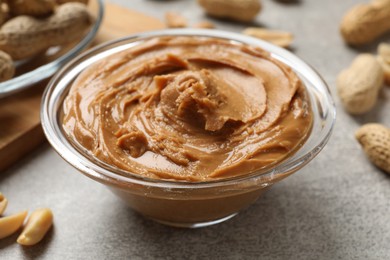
(338, 207)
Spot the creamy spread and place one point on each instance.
(188, 109)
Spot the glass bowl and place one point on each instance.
(186, 204)
(31, 71)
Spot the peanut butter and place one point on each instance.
(188, 109)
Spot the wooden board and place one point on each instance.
(20, 129)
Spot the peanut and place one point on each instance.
(204, 25)
(384, 60)
(175, 20)
(282, 39)
(375, 140)
(24, 36)
(365, 22)
(238, 10)
(3, 203)
(37, 226)
(9, 225)
(31, 7)
(359, 85)
(7, 68)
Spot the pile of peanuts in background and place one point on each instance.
(29, 27)
(34, 230)
(236, 10)
(359, 85)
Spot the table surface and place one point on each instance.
(338, 207)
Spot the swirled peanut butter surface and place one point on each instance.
(188, 108)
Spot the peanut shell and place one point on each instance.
(375, 140)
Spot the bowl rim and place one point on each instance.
(40, 73)
(100, 173)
